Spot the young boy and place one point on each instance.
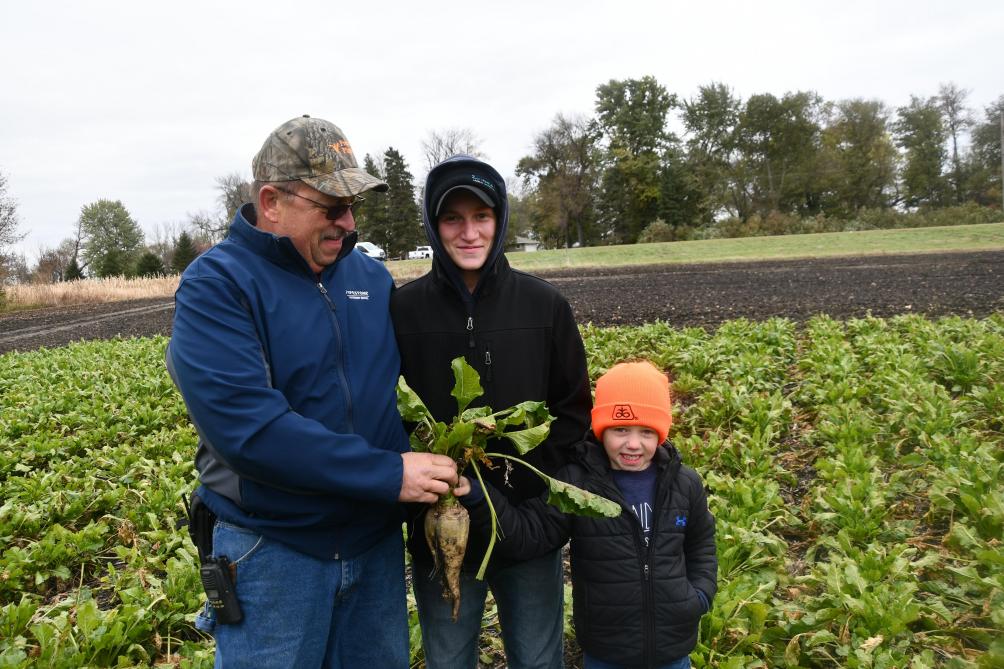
(641, 581)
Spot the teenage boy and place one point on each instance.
(641, 581)
(520, 335)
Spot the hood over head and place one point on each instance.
(480, 178)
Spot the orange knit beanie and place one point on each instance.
(633, 393)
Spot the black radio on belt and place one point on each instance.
(216, 573)
(218, 582)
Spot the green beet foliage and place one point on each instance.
(854, 469)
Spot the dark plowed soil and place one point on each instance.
(58, 326)
(966, 284)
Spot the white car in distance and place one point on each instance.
(372, 250)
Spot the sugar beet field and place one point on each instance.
(854, 468)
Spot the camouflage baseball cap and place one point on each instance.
(315, 152)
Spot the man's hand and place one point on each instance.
(426, 476)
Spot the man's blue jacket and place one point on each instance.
(289, 380)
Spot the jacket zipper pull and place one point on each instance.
(324, 294)
(488, 365)
(646, 571)
(470, 330)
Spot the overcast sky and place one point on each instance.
(149, 102)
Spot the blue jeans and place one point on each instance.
(301, 611)
(593, 663)
(529, 596)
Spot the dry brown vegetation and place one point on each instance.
(89, 291)
(117, 289)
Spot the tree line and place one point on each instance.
(733, 164)
(647, 165)
(650, 165)
(107, 242)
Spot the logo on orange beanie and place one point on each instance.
(633, 393)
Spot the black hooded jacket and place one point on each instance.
(633, 605)
(515, 329)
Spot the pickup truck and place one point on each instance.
(420, 252)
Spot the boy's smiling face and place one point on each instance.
(630, 447)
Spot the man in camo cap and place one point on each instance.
(314, 153)
(285, 355)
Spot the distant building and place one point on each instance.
(525, 244)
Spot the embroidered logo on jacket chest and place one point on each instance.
(357, 294)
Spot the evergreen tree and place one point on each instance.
(184, 253)
(371, 216)
(112, 263)
(73, 272)
(149, 265)
(404, 221)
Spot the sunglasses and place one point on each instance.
(332, 212)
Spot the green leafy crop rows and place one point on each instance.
(855, 472)
(854, 468)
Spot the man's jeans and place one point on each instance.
(300, 611)
(529, 596)
(593, 663)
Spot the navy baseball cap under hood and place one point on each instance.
(478, 177)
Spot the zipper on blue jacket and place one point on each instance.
(341, 355)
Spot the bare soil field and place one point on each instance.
(58, 326)
(965, 284)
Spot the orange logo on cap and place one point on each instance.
(341, 146)
(623, 412)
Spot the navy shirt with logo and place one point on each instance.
(638, 489)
